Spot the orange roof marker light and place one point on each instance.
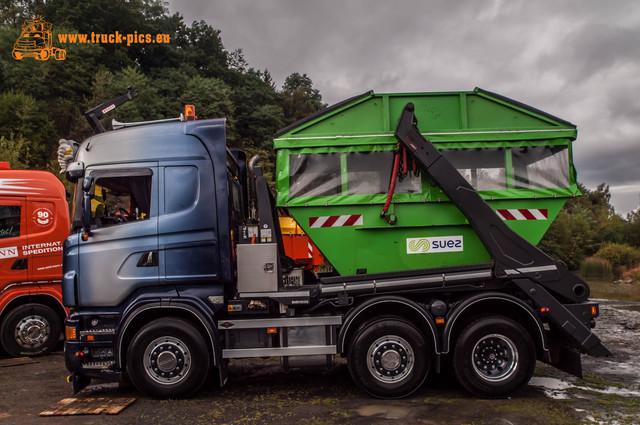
(190, 113)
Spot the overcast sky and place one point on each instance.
(578, 60)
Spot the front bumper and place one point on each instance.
(89, 352)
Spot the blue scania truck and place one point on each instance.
(176, 265)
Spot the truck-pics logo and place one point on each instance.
(36, 41)
(434, 244)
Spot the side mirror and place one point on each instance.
(75, 170)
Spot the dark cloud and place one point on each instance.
(577, 59)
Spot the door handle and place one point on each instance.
(148, 259)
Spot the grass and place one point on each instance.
(596, 268)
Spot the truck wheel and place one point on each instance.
(389, 358)
(494, 357)
(30, 330)
(168, 358)
(43, 55)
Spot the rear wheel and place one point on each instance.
(30, 330)
(494, 357)
(389, 358)
(168, 358)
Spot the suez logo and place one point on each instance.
(435, 244)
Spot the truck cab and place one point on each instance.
(34, 221)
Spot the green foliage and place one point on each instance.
(631, 230)
(13, 149)
(211, 97)
(300, 98)
(621, 256)
(585, 224)
(596, 268)
(25, 128)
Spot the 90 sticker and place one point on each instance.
(435, 244)
(42, 217)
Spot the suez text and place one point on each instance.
(429, 245)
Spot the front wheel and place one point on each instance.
(494, 357)
(389, 358)
(30, 330)
(168, 358)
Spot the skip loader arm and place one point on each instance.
(515, 259)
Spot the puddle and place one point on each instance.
(553, 387)
(629, 307)
(614, 291)
(557, 388)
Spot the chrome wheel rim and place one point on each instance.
(495, 358)
(390, 359)
(167, 360)
(32, 331)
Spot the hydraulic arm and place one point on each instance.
(515, 259)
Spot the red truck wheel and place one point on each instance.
(168, 358)
(494, 357)
(30, 330)
(389, 358)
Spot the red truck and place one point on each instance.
(34, 222)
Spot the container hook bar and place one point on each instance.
(94, 115)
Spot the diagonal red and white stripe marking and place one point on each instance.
(335, 221)
(523, 214)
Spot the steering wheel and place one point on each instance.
(122, 214)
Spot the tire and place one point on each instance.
(389, 358)
(30, 330)
(494, 357)
(168, 358)
(43, 55)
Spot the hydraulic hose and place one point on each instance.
(392, 188)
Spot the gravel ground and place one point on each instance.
(260, 392)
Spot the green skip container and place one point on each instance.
(334, 169)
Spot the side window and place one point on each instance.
(369, 173)
(314, 175)
(350, 173)
(541, 167)
(121, 199)
(484, 169)
(10, 221)
(180, 188)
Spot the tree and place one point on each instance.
(585, 224)
(300, 98)
(26, 131)
(211, 98)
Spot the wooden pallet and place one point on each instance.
(88, 406)
(17, 361)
